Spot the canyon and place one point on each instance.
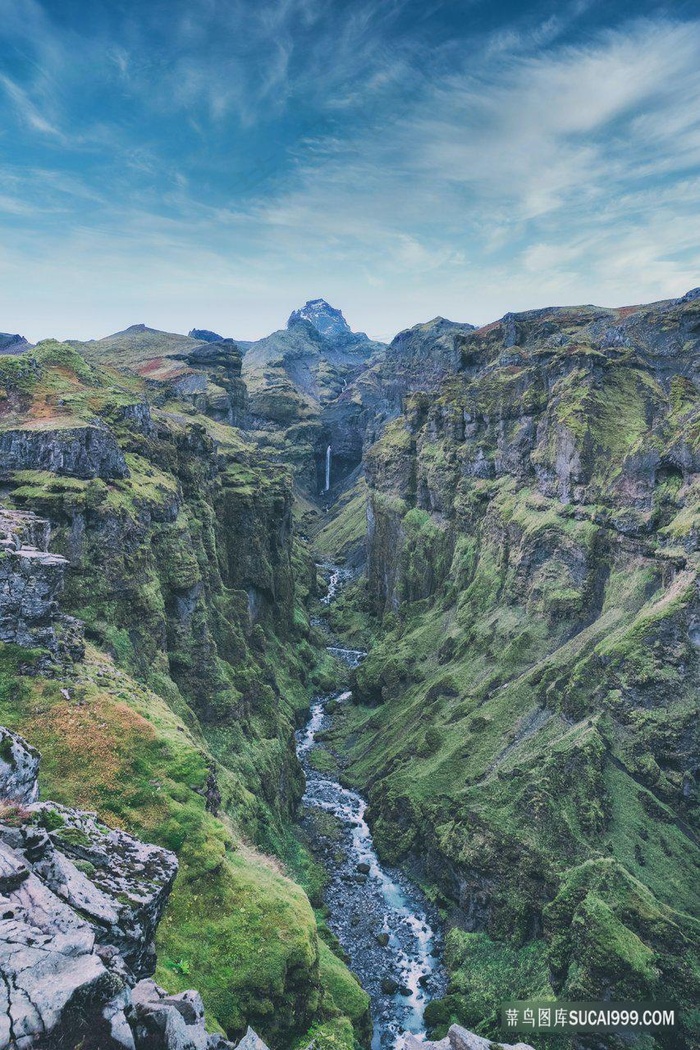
(502, 681)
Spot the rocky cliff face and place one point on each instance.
(533, 551)
(13, 344)
(216, 383)
(80, 452)
(297, 379)
(31, 581)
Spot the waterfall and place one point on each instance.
(328, 469)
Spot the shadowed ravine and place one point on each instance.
(381, 919)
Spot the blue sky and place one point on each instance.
(215, 163)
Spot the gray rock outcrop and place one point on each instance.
(216, 388)
(87, 451)
(120, 886)
(19, 768)
(13, 344)
(459, 1038)
(79, 906)
(31, 580)
(204, 335)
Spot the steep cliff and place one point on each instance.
(178, 723)
(527, 731)
(31, 582)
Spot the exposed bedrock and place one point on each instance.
(79, 451)
(216, 387)
(31, 581)
(79, 906)
(459, 1038)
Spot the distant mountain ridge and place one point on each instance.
(13, 344)
(204, 335)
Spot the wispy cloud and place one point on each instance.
(568, 158)
(403, 160)
(27, 111)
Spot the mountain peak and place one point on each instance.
(324, 317)
(204, 335)
(13, 343)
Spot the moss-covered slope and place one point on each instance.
(528, 727)
(179, 724)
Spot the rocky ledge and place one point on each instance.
(86, 451)
(79, 907)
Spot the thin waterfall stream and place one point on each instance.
(384, 922)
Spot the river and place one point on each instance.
(384, 923)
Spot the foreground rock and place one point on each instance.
(459, 1038)
(19, 767)
(79, 907)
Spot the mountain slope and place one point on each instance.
(135, 345)
(527, 725)
(174, 537)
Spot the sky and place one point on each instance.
(216, 163)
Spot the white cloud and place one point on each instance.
(513, 172)
(27, 111)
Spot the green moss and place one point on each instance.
(344, 534)
(73, 836)
(51, 820)
(484, 974)
(323, 760)
(235, 927)
(528, 680)
(343, 992)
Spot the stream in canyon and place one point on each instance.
(383, 922)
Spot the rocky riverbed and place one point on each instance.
(383, 922)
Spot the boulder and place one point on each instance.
(251, 1041)
(176, 1022)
